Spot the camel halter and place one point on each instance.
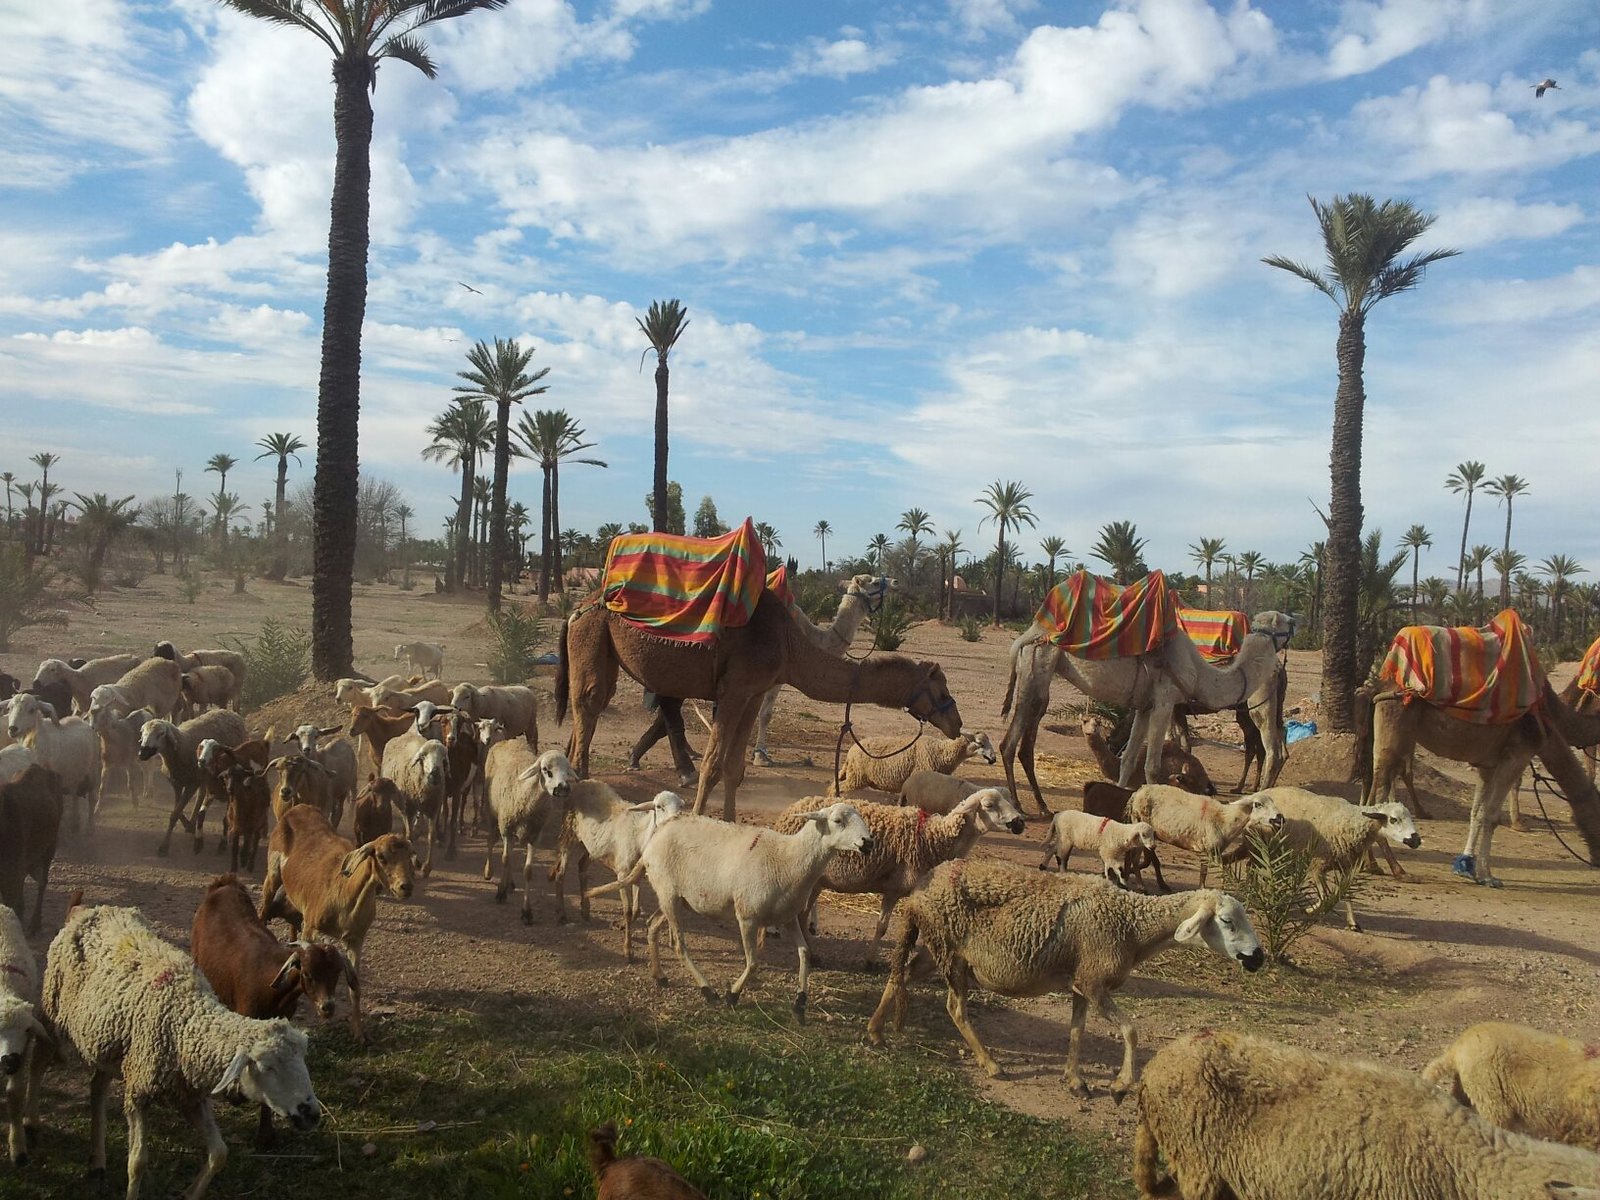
(847, 728)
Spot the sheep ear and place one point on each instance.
(281, 979)
(231, 1075)
(528, 772)
(1189, 931)
(355, 858)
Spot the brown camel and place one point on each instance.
(1584, 702)
(1498, 753)
(735, 672)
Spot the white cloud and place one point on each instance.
(1511, 302)
(841, 58)
(1486, 220)
(1370, 34)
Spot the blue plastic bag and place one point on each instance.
(1298, 731)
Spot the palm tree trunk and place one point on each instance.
(455, 571)
(544, 538)
(999, 569)
(1461, 559)
(280, 540)
(555, 526)
(339, 385)
(1341, 673)
(1416, 553)
(1505, 576)
(659, 491)
(497, 504)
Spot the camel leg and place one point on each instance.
(769, 705)
(1031, 699)
(733, 759)
(1393, 744)
(1030, 738)
(1137, 748)
(1514, 805)
(1494, 783)
(1411, 789)
(955, 1003)
(1158, 721)
(592, 681)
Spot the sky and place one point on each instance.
(923, 247)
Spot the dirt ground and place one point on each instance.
(1436, 954)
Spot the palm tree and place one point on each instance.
(662, 326)
(360, 34)
(101, 519)
(1122, 549)
(44, 460)
(1475, 559)
(1007, 502)
(877, 548)
(9, 480)
(1206, 552)
(461, 434)
(1249, 563)
(404, 512)
(482, 498)
(29, 542)
(1053, 548)
(283, 447)
(46, 492)
(1363, 241)
(1506, 564)
(820, 531)
(1560, 568)
(765, 533)
(913, 522)
(948, 549)
(1415, 539)
(552, 436)
(1508, 488)
(1465, 478)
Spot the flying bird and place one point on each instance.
(476, 292)
(1543, 86)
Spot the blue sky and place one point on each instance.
(923, 247)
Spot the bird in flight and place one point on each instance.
(1543, 86)
(476, 292)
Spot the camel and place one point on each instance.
(1152, 685)
(1255, 750)
(1584, 702)
(734, 672)
(1391, 732)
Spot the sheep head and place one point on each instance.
(1264, 814)
(1219, 921)
(273, 1072)
(1395, 823)
(27, 714)
(841, 827)
(18, 1022)
(979, 745)
(554, 772)
(995, 808)
(153, 736)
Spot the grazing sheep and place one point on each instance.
(69, 747)
(156, 684)
(516, 708)
(420, 769)
(1241, 1116)
(337, 757)
(1525, 1080)
(131, 1005)
(1200, 824)
(426, 657)
(636, 1178)
(1178, 767)
(934, 791)
(209, 687)
(119, 752)
(885, 763)
(231, 659)
(179, 748)
(523, 790)
(906, 844)
(375, 809)
(720, 869)
(80, 682)
(1116, 842)
(21, 1059)
(1017, 932)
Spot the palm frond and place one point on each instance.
(409, 48)
(1403, 277)
(283, 12)
(1313, 277)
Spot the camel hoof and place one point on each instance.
(761, 759)
(1078, 1088)
(427, 869)
(1491, 881)
(994, 1071)
(661, 981)
(710, 993)
(1518, 827)
(527, 917)
(732, 998)
(1465, 866)
(800, 1008)
(500, 896)
(1119, 1092)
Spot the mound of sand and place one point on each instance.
(1324, 763)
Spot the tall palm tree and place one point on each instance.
(913, 522)
(768, 536)
(1053, 548)
(1122, 549)
(283, 447)
(949, 547)
(461, 435)
(1465, 478)
(360, 34)
(1363, 241)
(1249, 562)
(403, 513)
(1205, 553)
(1508, 488)
(1415, 539)
(482, 498)
(47, 491)
(1507, 563)
(29, 541)
(1476, 557)
(1007, 502)
(820, 531)
(101, 520)
(662, 326)
(1559, 568)
(44, 460)
(551, 438)
(9, 480)
(876, 549)
(221, 464)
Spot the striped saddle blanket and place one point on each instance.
(778, 585)
(1589, 668)
(1217, 633)
(1091, 617)
(1488, 676)
(685, 589)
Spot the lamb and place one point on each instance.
(1199, 824)
(375, 809)
(68, 747)
(321, 883)
(875, 763)
(426, 657)
(231, 659)
(636, 1178)
(1017, 932)
(210, 687)
(133, 1006)
(516, 708)
(421, 772)
(906, 844)
(1524, 1080)
(1236, 1115)
(30, 823)
(80, 682)
(119, 752)
(1178, 767)
(459, 736)
(22, 1058)
(337, 757)
(1114, 841)
(179, 747)
(934, 791)
(523, 790)
(156, 684)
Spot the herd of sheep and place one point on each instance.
(1505, 1112)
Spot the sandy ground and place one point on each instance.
(1436, 954)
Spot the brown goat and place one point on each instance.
(375, 809)
(30, 821)
(249, 801)
(301, 780)
(635, 1178)
(379, 726)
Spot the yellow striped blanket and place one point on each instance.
(1488, 676)
(1217, 633)
(685, 589)
(1589, 669)
(1091, 617)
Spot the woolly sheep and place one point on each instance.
(156, 684)
(426, 657)
(720, 869)
(1200, 824)
(1525, 1080)
(21, 1059)
(906, 844)
(119, 752)
(934, 791)
(1114, 841)
(69, 747)
(386, 695)
(1017, 932)
(1236, 1115)
(874, 763)
(419, 770)
(81, 681)
(209, 687)
(133, 1006)
(179, 748)
(14, 760)
(516, 708)
(231, 659)
(1178, 767)
(523, 789)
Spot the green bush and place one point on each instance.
(890, 624)
(275, 663)
(516, 640)
(1275, 883)
(25, 595)
(971, 628)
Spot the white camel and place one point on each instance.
(1152, 685)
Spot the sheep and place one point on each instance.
(30, 824)
(1114, 841)
(1524, 1080)
(69, 747)
(1199, 824)
(934, 791)
(321, 883)
(337, 757)
(514, 707)
(156, 684)
(255, 974)
(22, 1057)
(375, 807)
(426, 657)
(459, 736)
(231, 659)
(131, 1005)
(1178, 767)
(523, 790)
(719, 869)
(1022, 933)
(490, 734)
(1339, 834)
(80, 682)
(605, 826)
(635, 1178)
(420, 769)
(179, 746)
(1236, 1115)
(386, 695)
(14, 760)
(209, 687)
(885, 764)
(906, 844)
(357, 692)
(119, 752)
(216, 761)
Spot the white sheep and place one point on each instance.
(1237, 1115)
(212, 686)
(426, 657)
(14, 760)
(133, 1006)
(523, 790)
(69, 747)
(1200, 824)
(934, 791)
(82, 681)
(1017, 932)
(119, 752)
(516, 708)
(759, 877)
(21, 1058)
(1525, 1080)
(1114, 841)
(418, 767)
(156, 684)
(885, 763)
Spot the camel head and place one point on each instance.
(871, 588)
(930, 700)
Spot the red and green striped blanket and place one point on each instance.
(685, 589)
(1488, 676)
(1091, 617)
(1217, 633)
(1589, 668)
(778, 585)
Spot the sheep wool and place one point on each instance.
(935, 791)
(1525, 1080)
(874, 764)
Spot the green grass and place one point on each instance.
(743, 1102)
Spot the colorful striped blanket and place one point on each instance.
(685, 589)
(1217, 633)
(1589, 669)
(778, 585)
(1488, 676)
(1091, 617)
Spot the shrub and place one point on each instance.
(516, 639)
(971, 628)
(1274, 881)
(275, 663)
(890, 624)
(191, 588)
(25, 595)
